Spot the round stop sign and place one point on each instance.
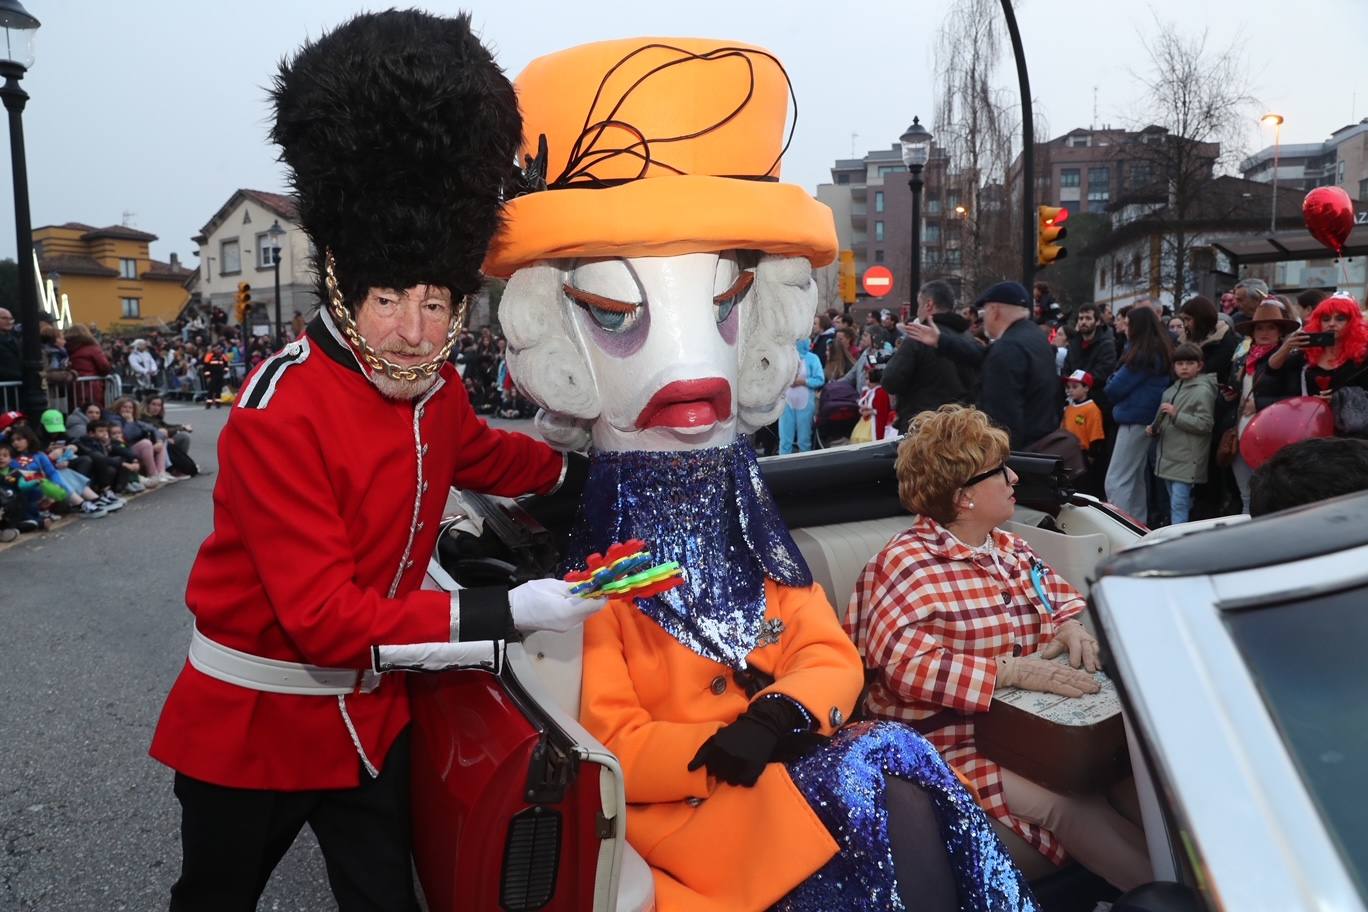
(877, 281)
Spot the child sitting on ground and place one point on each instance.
(1183, 426)
(31, 462)
(25, 489)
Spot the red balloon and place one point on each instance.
(1284, 422)
(1329, 215)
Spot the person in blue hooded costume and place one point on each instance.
(800, 401)
(671, 327)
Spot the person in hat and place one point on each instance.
(336, 461)
(1082, 417)
(656, 291)
(1019, 386)
(1256, 386)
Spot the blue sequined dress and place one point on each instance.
(711, 511)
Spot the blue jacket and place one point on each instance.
(1135, 394)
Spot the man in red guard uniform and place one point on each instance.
(399, 130)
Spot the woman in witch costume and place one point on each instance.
(660, 275)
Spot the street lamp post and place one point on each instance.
(916, 149)
(1276, 121)
(16, 56)
(276, 233)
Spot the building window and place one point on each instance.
(951, 200)
(128, 268)
(1068, 177)
(1099, 177)
(878, 256)
(933, 206)
(1098, 198)
(1363, 189)
(1135, 268)
(952, 259)
(1141, 174)
(933, 232)
(878, 201)
(132, 308)
(892, 169)
(843, 178)
(878, 231)
(1080, 142)
(1102, 277)
(263, 241)
(230, 257)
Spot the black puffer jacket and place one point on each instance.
(921, 378)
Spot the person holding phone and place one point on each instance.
(1329, 353)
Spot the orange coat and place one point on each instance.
(714, 847)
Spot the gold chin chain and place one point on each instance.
(394, 371)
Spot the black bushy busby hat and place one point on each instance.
(399, 131)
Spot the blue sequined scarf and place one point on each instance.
(711, 511)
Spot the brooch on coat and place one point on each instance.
(769, 632)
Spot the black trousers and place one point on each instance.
(232, 839)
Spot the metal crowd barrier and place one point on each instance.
(9, 395)
(82, 391)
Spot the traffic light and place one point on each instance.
(1050, 229)
(846, 276)
(243, 304)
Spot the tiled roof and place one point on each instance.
(278, 203)
(118, 231)
(159, 270)
(72, 264)
(282, 205)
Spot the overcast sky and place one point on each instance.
(156, 108)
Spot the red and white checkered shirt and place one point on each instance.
(931, 615)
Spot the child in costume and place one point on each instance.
(660, 276)
(1082, 417)
(800, 401)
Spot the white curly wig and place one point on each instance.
(545, 358)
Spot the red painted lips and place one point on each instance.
(688, 404)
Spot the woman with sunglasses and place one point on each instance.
(955, 607)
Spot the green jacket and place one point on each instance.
(1185, 438)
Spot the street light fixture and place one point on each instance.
(275, 233)
(16, 56)
(916, 150)
(1275, 121)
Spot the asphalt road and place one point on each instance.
(95, 631)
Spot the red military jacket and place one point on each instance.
(326, 510)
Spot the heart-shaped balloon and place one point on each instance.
(1329, 215)
(1283, 422)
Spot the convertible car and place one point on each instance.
(1244, 745)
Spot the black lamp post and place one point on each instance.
(16, 56)
(275, 232)
(916, 149)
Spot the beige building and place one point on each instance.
(235, 246)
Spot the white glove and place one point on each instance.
(546, 604)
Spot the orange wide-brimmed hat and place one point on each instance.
(656, 147)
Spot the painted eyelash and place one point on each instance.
(599, 302)
(738, 289)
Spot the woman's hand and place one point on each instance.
(1081, 646)
(1247, 409)
(1032, 673)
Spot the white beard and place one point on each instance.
(401, 390)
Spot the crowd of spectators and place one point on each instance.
(1147, 406)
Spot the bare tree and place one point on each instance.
(828, 281)
(975, 126)
(1198, 100)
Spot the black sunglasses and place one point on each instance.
(984, 476)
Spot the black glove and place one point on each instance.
(738, 753)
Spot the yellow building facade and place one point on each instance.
(109, 276)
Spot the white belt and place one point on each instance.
(274, 675)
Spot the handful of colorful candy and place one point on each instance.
(627, 570)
